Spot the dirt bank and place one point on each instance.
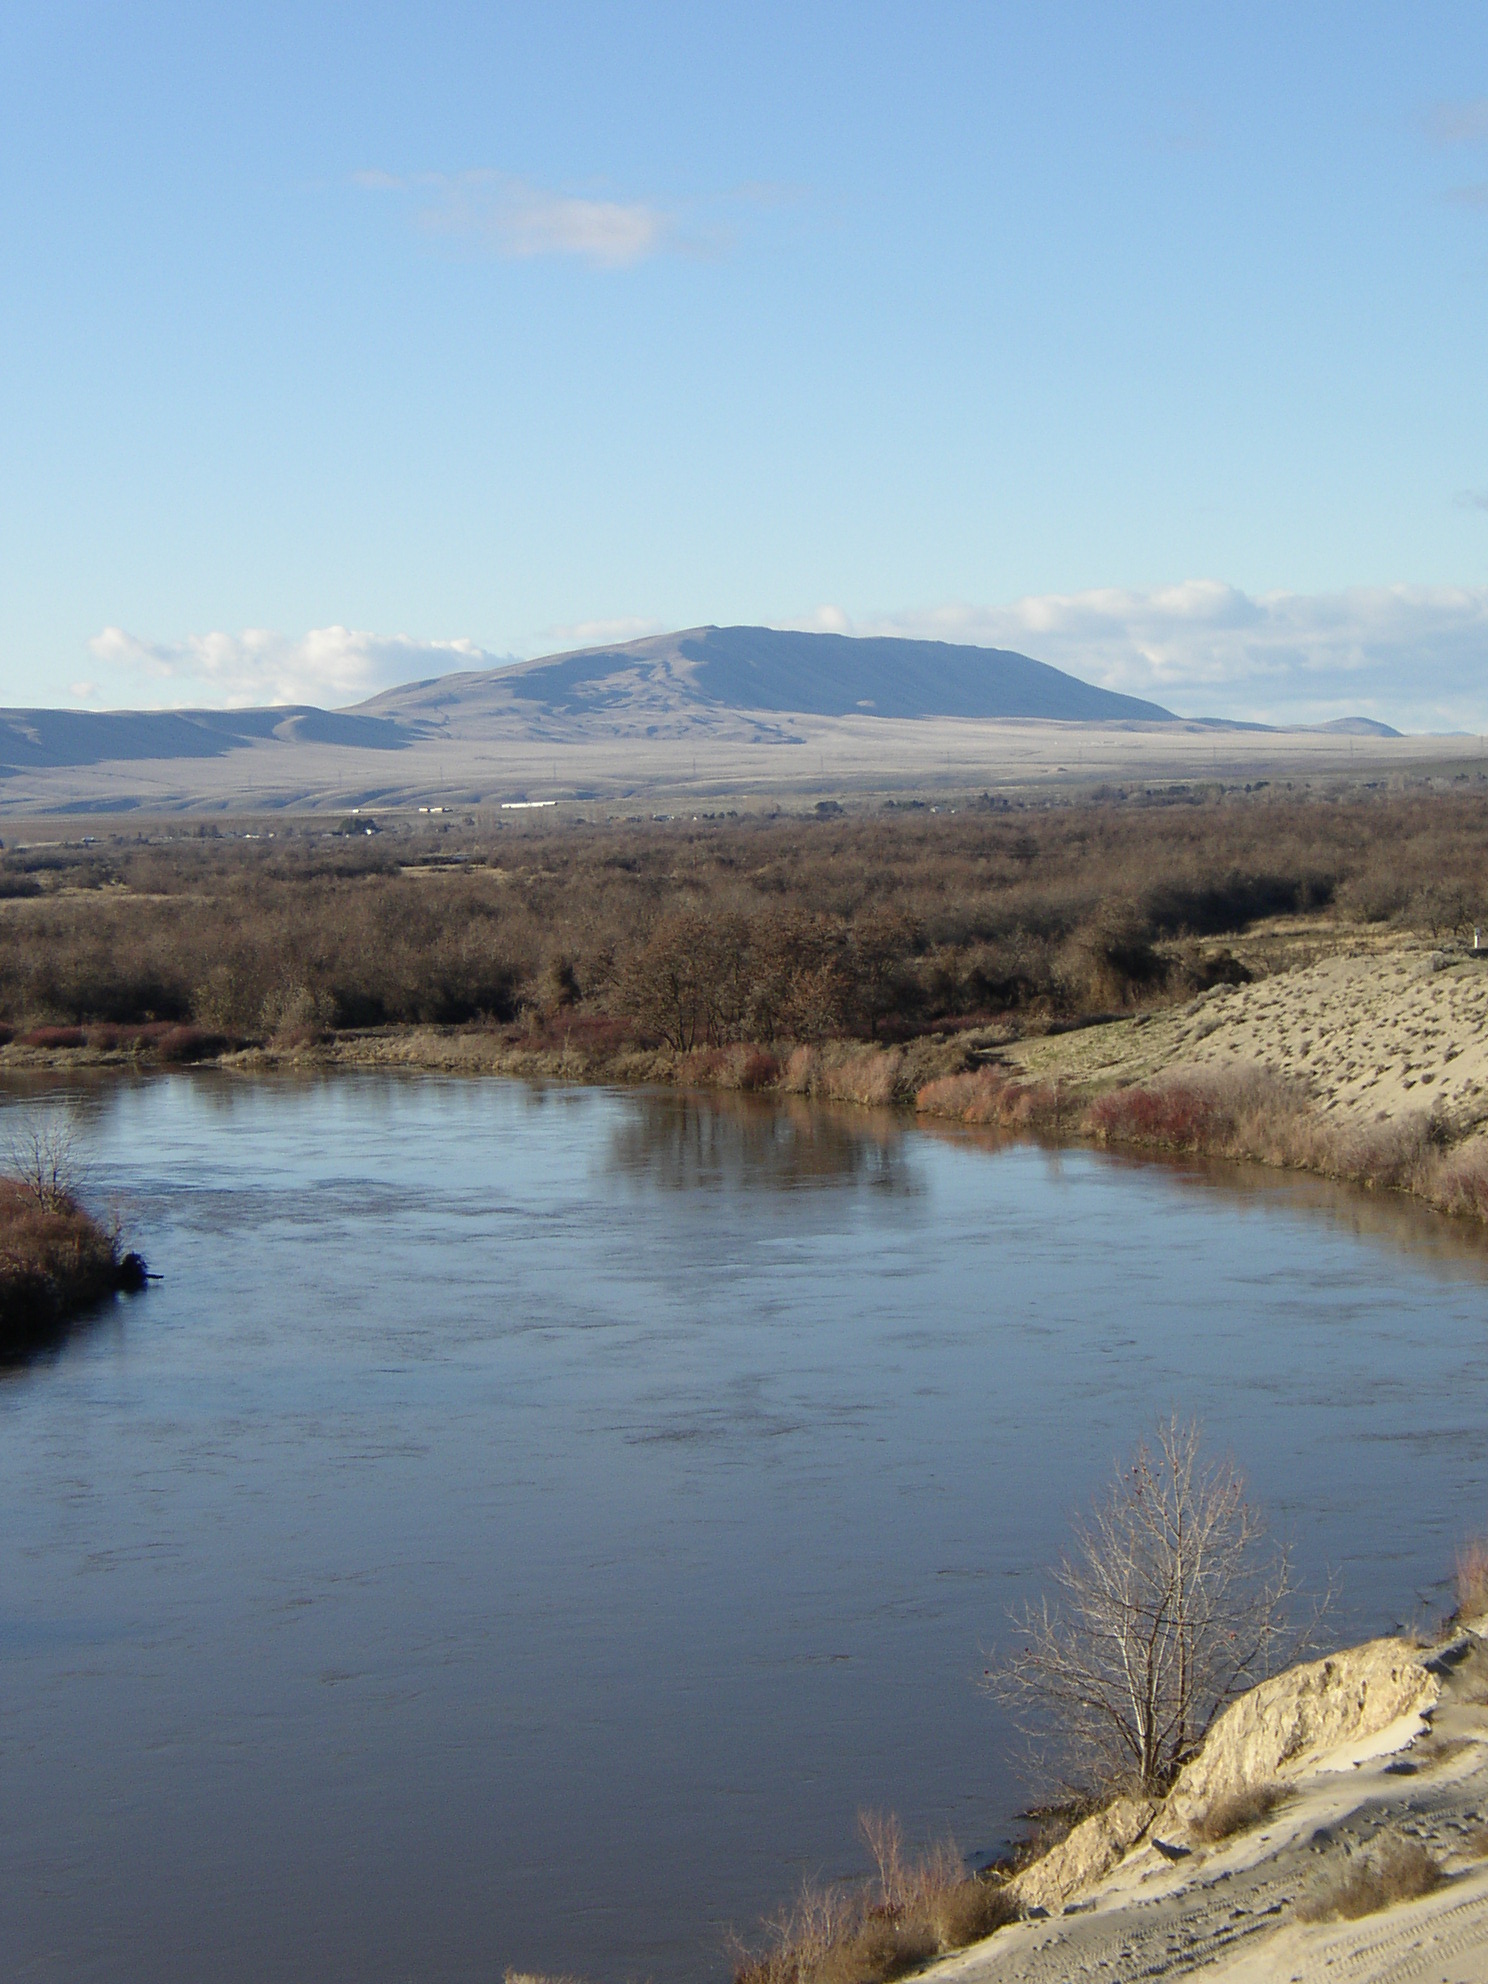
(1373, 1760)
(1373, 1033)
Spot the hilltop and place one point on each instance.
(704, 671)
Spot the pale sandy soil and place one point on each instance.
(1376, 1031)
(1175, 1908)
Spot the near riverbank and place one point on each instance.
(1332, 1826)
(1360, 1057)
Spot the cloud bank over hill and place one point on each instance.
(1412, 656)
(331, 667)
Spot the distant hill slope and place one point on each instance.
(761, 668)
(1358, 726)
(37, 739)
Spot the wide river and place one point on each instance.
(525, 1527)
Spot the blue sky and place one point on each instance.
(342, 343)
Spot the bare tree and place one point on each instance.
(687, 981)
(43, 1156)
(1170, 1603)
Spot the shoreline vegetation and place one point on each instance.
(1059, 971)
(56, 1259)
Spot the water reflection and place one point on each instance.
(680, 1142)
(1394, 1219)
(46, 1344)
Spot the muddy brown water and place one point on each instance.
(524, 1526)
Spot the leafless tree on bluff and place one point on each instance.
(1170, 1603)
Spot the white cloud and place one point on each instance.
(330, 666)
(511, 217)
(1414, 656)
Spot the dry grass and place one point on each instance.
(1238, 1112)
(1248, 1113)
(1472, 1580)
(1403, 1872)
(1460, 1181)
(913, 1910)
(55, 1258)
(989, 1097)
(1237, 1812)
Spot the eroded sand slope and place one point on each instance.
(1376, 1034)
(1379, 1745)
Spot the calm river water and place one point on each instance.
(524, 1527)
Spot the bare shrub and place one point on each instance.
(1112, 962)
(869, 1077)
(43, 1158)
(879, 1950)
(974, 1098)
(906, 1886)
(738, 1067)
(54, 1036)
(180, 1044)
(687, 983)
(295, 1014)
(757, 1068)
(973, 1910)
(1392, 1156)
(1238, 1811)
(799, 1941)
(803, 1071)
(913, 1909)
(1170, 1603)
(1403, 1872)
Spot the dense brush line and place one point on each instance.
(874, 927)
